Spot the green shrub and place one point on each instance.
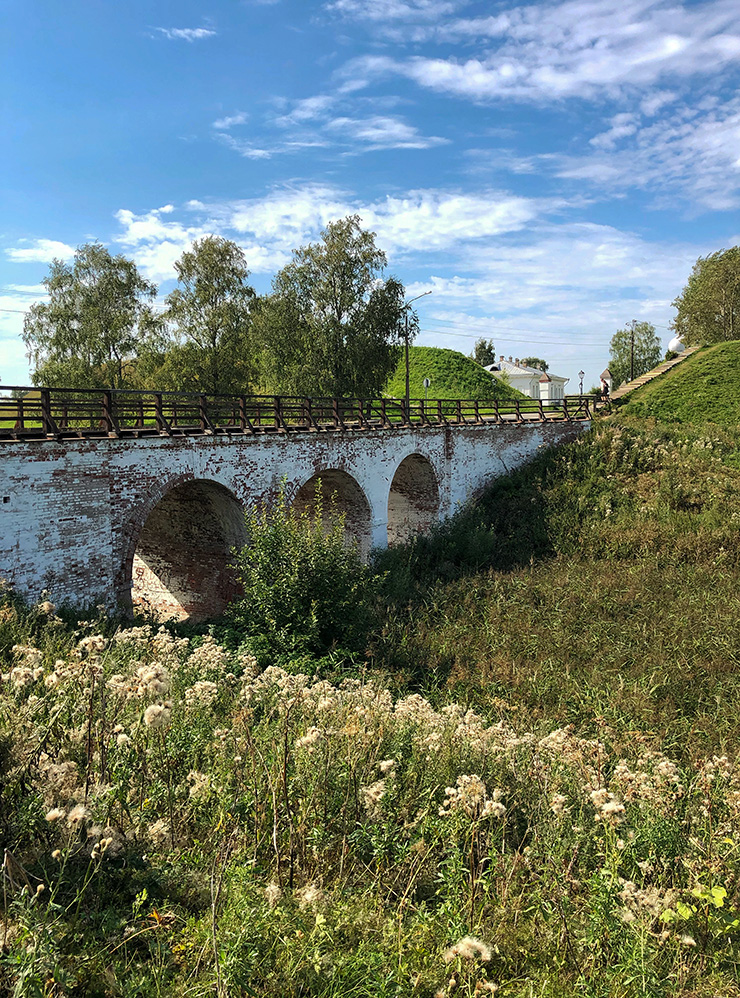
(305, 586)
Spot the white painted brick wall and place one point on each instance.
(71, 511)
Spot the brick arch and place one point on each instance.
(413, 499)
(178, 556)
(350, 500)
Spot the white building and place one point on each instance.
(530, 381)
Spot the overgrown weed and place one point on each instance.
(534, 791)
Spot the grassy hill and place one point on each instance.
(452, 376)
(705, 388)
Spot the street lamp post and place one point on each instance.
(581, 375)
(406, 308)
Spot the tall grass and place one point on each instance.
(529, 787)
(190, 826)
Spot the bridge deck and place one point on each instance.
(33, 414)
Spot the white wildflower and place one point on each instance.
(77, 814)
(309, 740)
(201, 695)
(157, 715)
(468, 948)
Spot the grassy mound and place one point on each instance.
(452, 376)
(705, 388)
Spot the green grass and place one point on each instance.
(704, 388)
(452, 376)
(601, 580)
(291, 834)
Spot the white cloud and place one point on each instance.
(439, 220)
(156, 243)
(695, 152)
(309, 124)
(653, 102)
(307, 109)
(186, 34)
(581, 48)
(383, 132)
(621, 125)
(239, 118)
(393, 10)
(40, 251)
(270, 227)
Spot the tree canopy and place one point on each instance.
(97, 320)
(537, 362)
(484, 352)
(647, 352)
(210, 311)
(709, 306)
(332, 325)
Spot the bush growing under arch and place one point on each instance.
(305, 585)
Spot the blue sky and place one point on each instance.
(549, 171)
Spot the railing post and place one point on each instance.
(566, 414)
(162, 425)
(50, 427)
(277, 405)
(19, 414)
(518, 413)
(458, 413)
(496, 413)
(110, 420)
(206, 423)
(478, 417)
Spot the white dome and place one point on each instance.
(676, 346)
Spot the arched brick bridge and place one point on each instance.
(137, 498)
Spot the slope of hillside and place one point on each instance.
(705, 388)
(452, 376)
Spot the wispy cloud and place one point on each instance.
(693, 152)
(576, 48)
(315, 122)
(306, 109)
(186, 34)
(384, 11)
(382, 132)
(224, 124)
(40, 251)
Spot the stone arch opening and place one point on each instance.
(413, 500)
(181, 566)
(350, 500)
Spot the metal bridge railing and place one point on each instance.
(64, 413)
